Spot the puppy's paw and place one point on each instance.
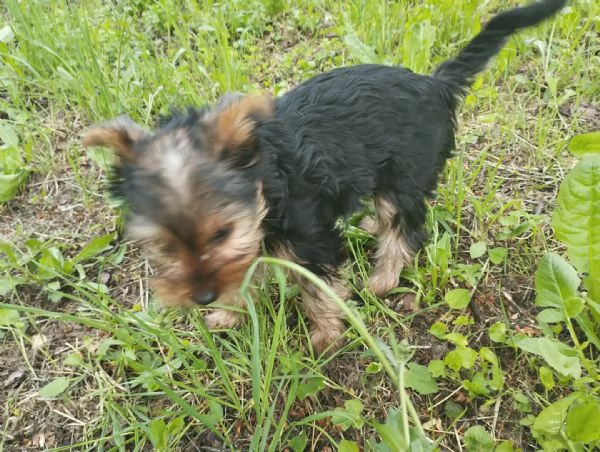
(222, 319)
(380, 283)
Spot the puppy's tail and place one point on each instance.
(473, 58)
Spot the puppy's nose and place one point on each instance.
(205, 297)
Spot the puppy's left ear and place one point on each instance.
(120, 135)
(231, 125)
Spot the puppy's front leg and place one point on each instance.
(324, 315)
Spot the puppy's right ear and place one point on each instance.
(120, 134)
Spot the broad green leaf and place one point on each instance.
(477, 249)
(438, 329)
(157, 434)
(576, 220)
(35, 246)
(477, 386)
(419, 443)
(310, 387)
(437, 368)
(551, 316)
(175, 426)
(573, 306)
(360, 52)
(497, 332)
(9, 252)
(10, 184)
(348, 446)
(95, 246)
(453, 410)
(461, 357)
(496, 383)
(50, 264)
(497, 255)
(11, 159)
(522, 402)
(463, 320)
(6, 286)
(583, 421)
(505, 446)
(391, 432)
(488, 355)
(557, 286)
(419, 379)
(478, 439)
(213, 416)
(298, 444)
(546, 377)
(8, 136)
(54, 388)
(456, 339)
(558, 355)
(372, 445)
(374, 367)
(95, 287)
(102, 348)
(74, 359)
(458, 298)
(9, 317)
(551, 419)
(556, 281)
(10, 283)
(350, 416)
(585, 143)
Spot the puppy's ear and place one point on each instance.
(120, 134)
(231, 126)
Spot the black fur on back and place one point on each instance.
(346, 135)
(363, 131)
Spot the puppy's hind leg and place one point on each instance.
(400, 221)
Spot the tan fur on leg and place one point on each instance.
(324, 315)
(326, 324)
(392, 250)
(369, 225)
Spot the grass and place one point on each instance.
(88, 362)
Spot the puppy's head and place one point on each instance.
(194, 200)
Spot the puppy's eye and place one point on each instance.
(221, 234)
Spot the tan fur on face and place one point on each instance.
(220, 267)
(393, 251)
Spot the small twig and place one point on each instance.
(446, 398)
(69, 416)
(496, 412)
(457, 439)
(512, 302)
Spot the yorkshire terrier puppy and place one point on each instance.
(211, 188)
